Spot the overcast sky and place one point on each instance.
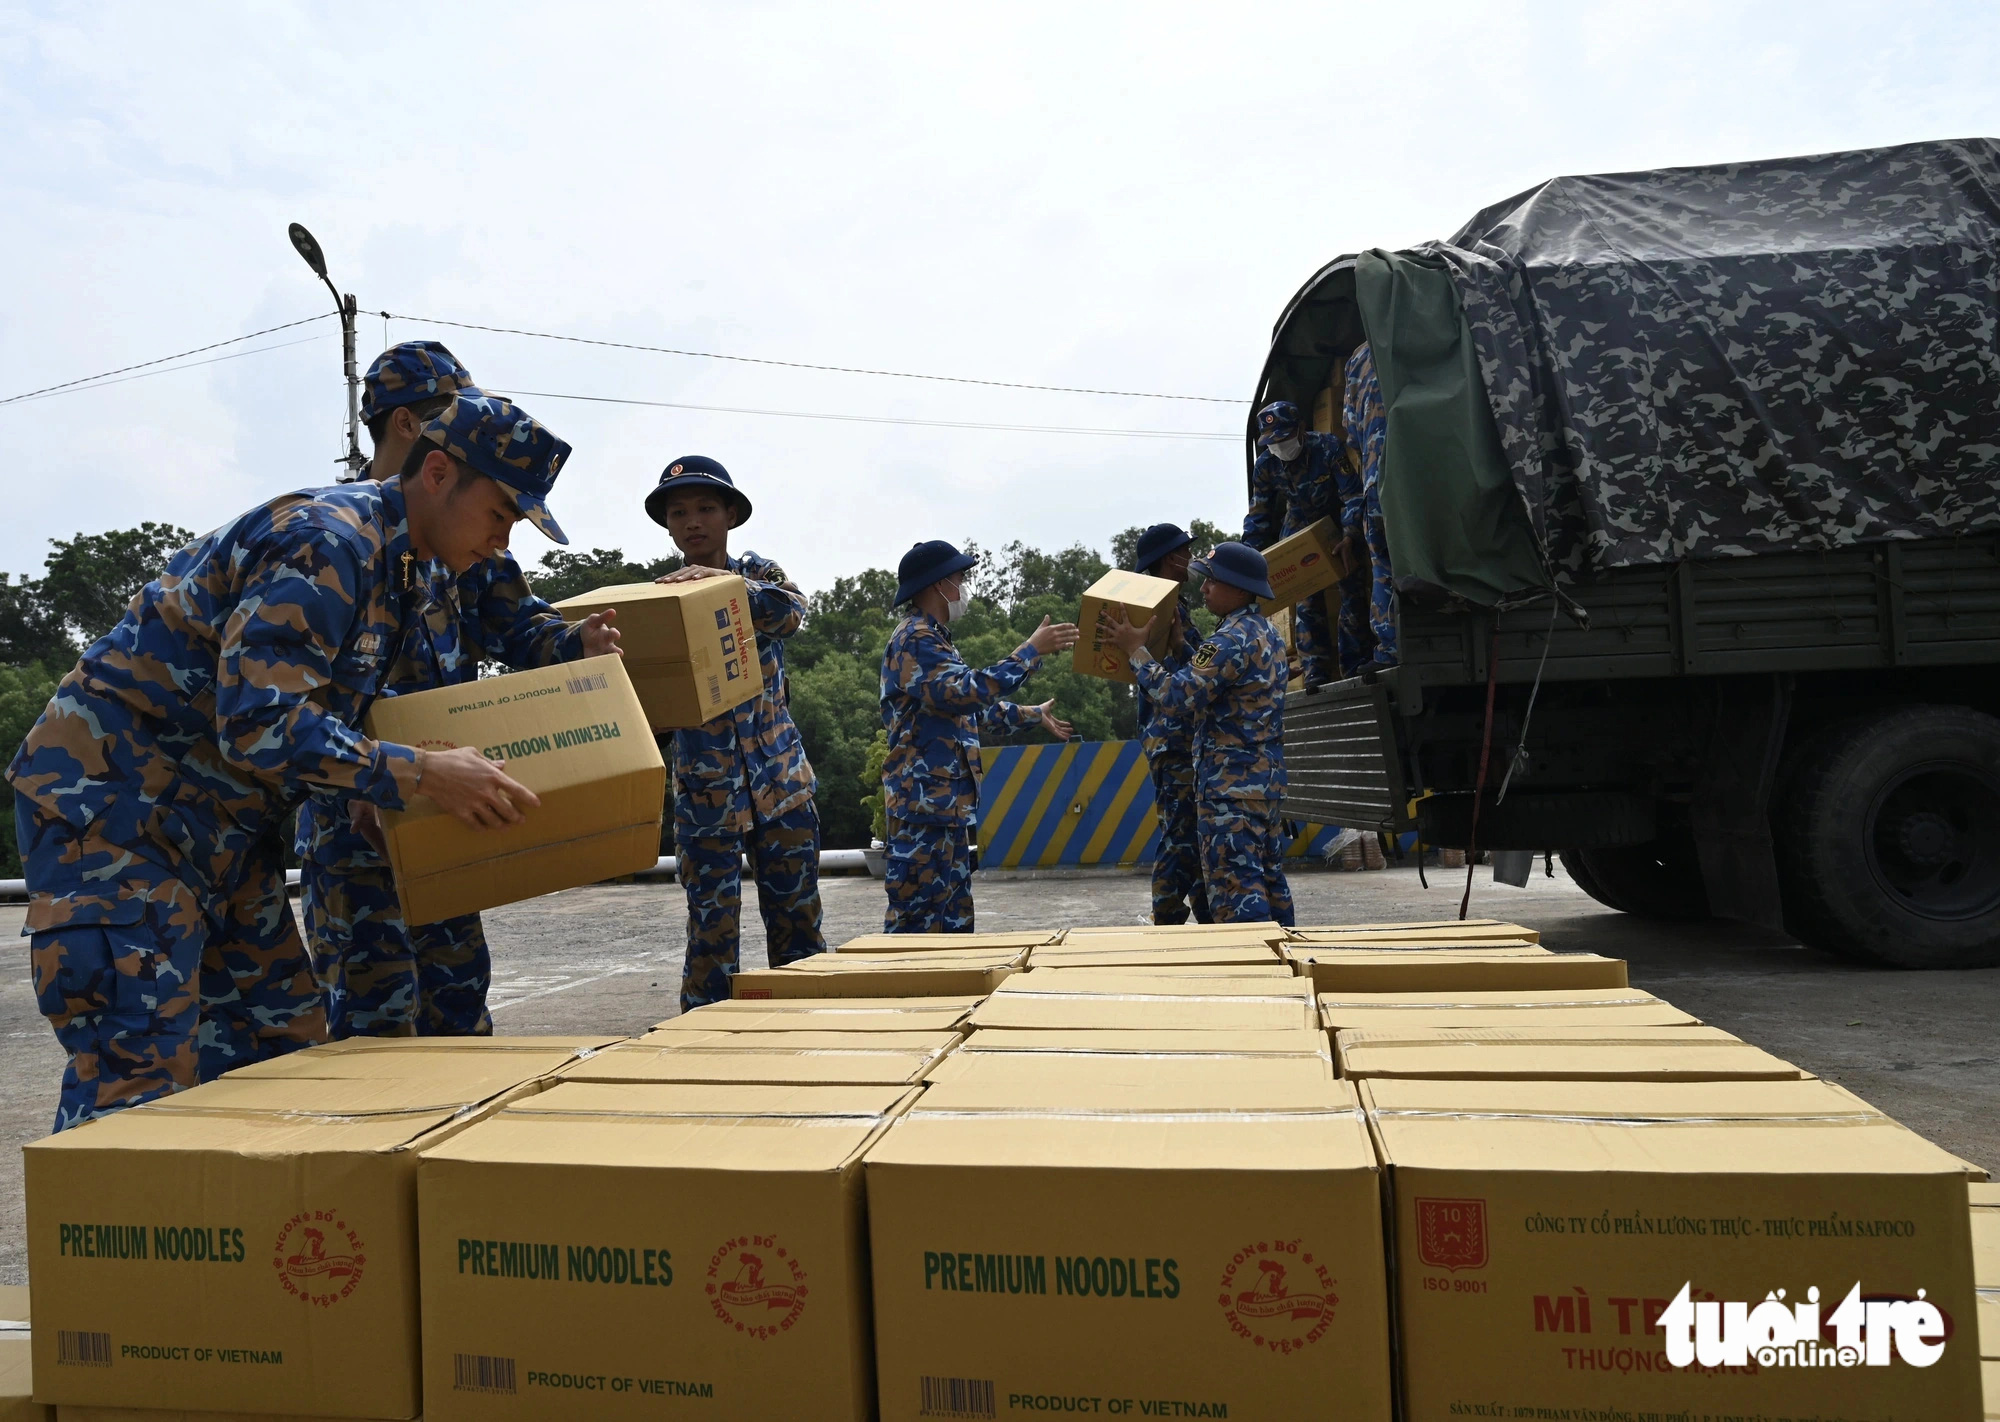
(1095, 195)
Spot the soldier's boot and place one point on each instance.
(454, 972)
(784, 855)
(711, 872)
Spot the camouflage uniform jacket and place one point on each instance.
(1168, 742)
(486, 614)
(1231, 696)
(231, 686)
(1285, 498)
(749, 761)
(933, 705)
(1368, 425)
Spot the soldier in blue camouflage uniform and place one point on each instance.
(742, 785)
(1296, 482)
(934, 707)
(1163, 552)
(1232, 694)
(151, 795)
(1367, 428)
(383, 977)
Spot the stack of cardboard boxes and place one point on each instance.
(1430, 1170)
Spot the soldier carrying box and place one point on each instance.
(151, 795)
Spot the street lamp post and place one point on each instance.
(309, 248)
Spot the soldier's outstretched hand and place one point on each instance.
(600, 638)
(475, 789)
(1054, 637)
(692, 573)
(1061, 730)
(1120, 631)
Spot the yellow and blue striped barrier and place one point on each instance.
(1083, 802)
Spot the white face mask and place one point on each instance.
(957, 607)
(1287, 449)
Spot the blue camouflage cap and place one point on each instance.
(1277, 420)
(412, 371)
(507, 445)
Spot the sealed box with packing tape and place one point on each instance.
(1310, 561)
(1188, 1249)
(1564, 1248)
(572, 733)
(1144, 600)
(266, 1258)
(690, 647)
(644, 1251)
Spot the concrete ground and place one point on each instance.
(1921, 1046)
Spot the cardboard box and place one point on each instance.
(1517, 1054)
(1983, 1195)
(1275, 970)
(878, 975)
(689, 647)
(1104, 1012)
(1144, 600)
(808, 1014)
(573, 734)
(1257, 930)
(945, 942)
(17, 1381)
(1208, 1081)
(1138, 983)
(639, 1251)
(1580, 1007)
(1436, 930)
(1310, 561)
(1296, 1043)
(476, 1070)
(175, 1414)
(1100, 1250)
(794, 1058)
(1399, 972)
(267, 1252)
(1542, 1228)
(1986, 1270)
(1192, 955)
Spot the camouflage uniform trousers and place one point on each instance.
(1177, 879)
(206, 978)
(1356, 638)
(1243, 846)
(381, 977)
(784, 860)
(1382, 590)
(928, 876)
(1322, 646)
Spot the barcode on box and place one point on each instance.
(596, 681)
(955, 1397)
(475, 1372)
(83, 1350)
(714, 689)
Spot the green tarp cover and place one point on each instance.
(1458, 531)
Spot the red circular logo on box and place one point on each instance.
(318, 1257)
(1277, 1295)
(755, 1285)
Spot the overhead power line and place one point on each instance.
(163, 360)
(808, 365)
(872, 419)
(85, 387)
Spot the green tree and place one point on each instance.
(30, 631)
(564, 574)
(89, 579)
(24, 691)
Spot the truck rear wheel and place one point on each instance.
(1657, 880)
(1888, 839)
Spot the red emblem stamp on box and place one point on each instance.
(1451, 1234)
(755, 1285)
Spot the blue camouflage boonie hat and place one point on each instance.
(412, 371)
(1156, 543)
(1277, 420)
(928, 563)
(507, 445)
(1237, 564)
(697, 471)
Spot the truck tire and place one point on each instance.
(1888, 839)
(1658, 880)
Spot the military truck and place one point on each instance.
(1692, 496)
